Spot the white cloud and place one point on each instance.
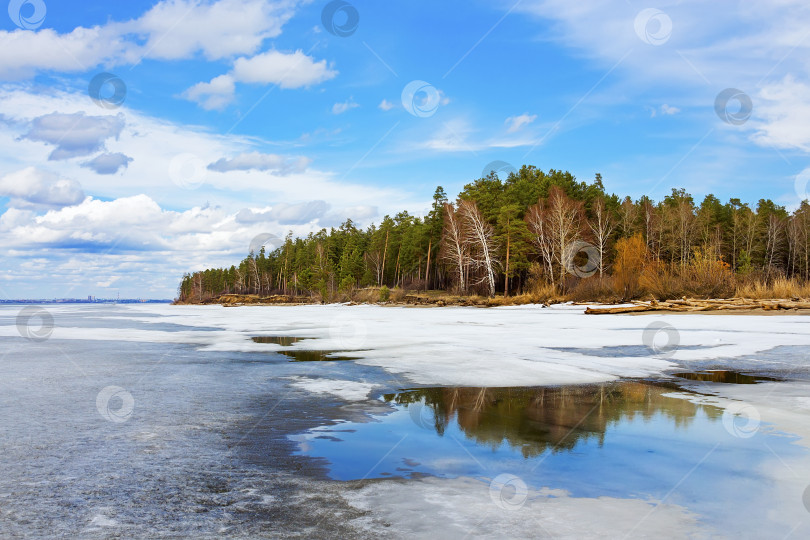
(24, 53)
(515, 123)
(33, 187)
(453, 136)
(109, 163)
(782, 115)
(106, 284)
(669, 110)
(273, 163)
(761, 50)
(74, 134)
(340, 108)
(386, 105)
(457, 135)
(178, 29)
(214, 95)
(286, 70)
(285, 214)
(130, 232)
(170, 30)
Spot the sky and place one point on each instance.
(140, 140)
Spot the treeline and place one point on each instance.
(534, 231)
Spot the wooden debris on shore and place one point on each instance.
(694, 305)
(232, 300)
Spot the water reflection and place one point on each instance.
(534, 420)
(284, 341)
(724, 377)
(299, 355)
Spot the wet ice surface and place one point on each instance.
(211, 447)
(201, 452)
(620, 440)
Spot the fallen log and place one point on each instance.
(620, 309)
(695, 305)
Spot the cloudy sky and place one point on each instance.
(143, 139)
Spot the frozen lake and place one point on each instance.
(371, 421)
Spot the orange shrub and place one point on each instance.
(631, 254)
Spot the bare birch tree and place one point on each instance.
(453, 248)
(479, 235)
(564, 226)
(602, 227)
(536, 221)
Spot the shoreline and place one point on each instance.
(714, 306)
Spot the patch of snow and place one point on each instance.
(348, 390)
(465, 507)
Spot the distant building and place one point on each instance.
(91, 298)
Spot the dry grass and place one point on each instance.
(594, 289)
(777, 288)
(656, 281)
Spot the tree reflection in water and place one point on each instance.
(552, 418)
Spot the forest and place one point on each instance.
(536, 236)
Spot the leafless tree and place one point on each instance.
(565, 225)
(627, 215)
(537, 223)
(774, 240)
(479, 236)
(602, 226)
(453, 249)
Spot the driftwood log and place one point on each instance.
(684, 305)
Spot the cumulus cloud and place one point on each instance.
(214, 95)
(108, 163)
(669, 110)
(286, 70)
(133, 236)
(89, 244)
(33, 187)
(74, 134)
(178, 29)
(515, 123)
(340, 108)
(284, 214)
(291, 214)
(782, 115)
(386, 105)
(24, 53)
(170, 30)
(273, 163)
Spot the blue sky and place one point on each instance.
(243, 117)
